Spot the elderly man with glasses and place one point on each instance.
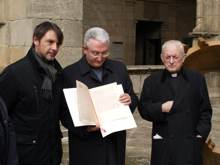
(86, 144)
(176, 101)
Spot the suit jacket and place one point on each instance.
(190, 116)
(90, 148)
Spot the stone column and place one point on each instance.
(207, 23)
(200, 17)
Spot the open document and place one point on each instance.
(99, 105)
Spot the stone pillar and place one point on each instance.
(200, 17)
(207, 23)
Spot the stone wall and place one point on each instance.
(117, 17)
(120, 19)
(20, 19)
(177, 17)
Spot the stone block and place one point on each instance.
(2, 11)
(136, 80)
(59, 9)
(139, 10)
(21, 32)
(215, 24)
(16, 10)
(17, 53)
(72, 30)
(4, 35)
(69, 55)
(4, 57)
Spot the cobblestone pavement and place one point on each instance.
(138, 142)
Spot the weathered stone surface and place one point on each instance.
(213, 82)
(139, 142)
(56, 9)
(69, 55)
(4, 57)
(72, 30)
(4, 35)
(20, 32)
(207, 16)
(113, 19)
(2, 11)
(17, 53)
(16, 9)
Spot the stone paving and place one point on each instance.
(138, 142)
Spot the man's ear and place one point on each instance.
(184, 57)
(161, 57)
(85, 50)
(35, 41)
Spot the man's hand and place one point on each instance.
(125, 99)
(166, 107)
(92, 128)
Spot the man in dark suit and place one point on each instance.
(28, 89)
(86, 144)
(176, 101)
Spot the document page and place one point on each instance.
(80, 117)
(99, 105)
(85, 105)
(113, 116)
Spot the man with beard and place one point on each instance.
(28, 88)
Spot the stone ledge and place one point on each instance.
(142, 69)
(203, 34)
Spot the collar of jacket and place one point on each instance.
(85, 67)
(30, 56)
(166, 73)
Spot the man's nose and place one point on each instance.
(99, 58)
(171, 60)
(54, 46)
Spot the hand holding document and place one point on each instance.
(99, 106)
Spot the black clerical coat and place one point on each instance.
(91, 148)
(174, 134)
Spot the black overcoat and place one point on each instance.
(190, 116)
(7, 138)
(36, 119)
(90, 148)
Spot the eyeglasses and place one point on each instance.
(98, 54)
(173, 58)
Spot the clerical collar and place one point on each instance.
(174, 74)
(167, 74)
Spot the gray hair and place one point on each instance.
(96, 33)
(175, 43)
